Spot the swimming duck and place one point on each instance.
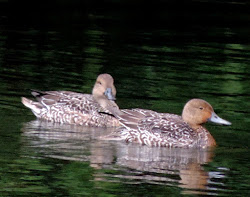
(151, 128)
(76, 108)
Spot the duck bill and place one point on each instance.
(216, 119)
(109, 95)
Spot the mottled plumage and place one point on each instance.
(76, 108)
(168, 130)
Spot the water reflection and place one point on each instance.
(117, 161)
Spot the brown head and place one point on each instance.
(104, 89)
(198, 111)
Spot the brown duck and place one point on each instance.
(76, 108)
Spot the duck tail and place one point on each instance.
(34, 106)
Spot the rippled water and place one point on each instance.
(159, 61)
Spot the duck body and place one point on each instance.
(74, 108)
(151, 128)
(163, 130)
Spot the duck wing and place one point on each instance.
(130, 118)
(66, 99)
(165, 129)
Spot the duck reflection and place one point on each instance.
(176, 167)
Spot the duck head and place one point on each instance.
(198, 111)
(104, 87)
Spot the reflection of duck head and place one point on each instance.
(167, 166)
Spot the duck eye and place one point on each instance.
(201, 108)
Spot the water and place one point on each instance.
(160, 59)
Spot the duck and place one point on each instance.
(151, 128)
(68, 107)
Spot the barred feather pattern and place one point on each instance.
(150, 128)
(72, 108)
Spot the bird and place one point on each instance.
(151, 128)
(76, 108)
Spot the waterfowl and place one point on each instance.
(76, 108)
(151, 128)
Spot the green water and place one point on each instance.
(160, 57)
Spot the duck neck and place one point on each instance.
(101, 101)
(195, 126)
(205, 137)
(108, 105)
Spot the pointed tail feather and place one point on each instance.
(38, 94)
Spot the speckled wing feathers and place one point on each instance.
(155, 129)
(131, 118)
(70, 107)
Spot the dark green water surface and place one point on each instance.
(161, 55)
